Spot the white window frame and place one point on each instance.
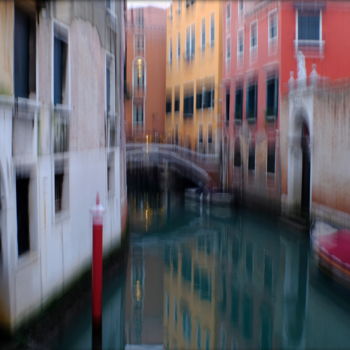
(112, 9)
(270, 15)
(144, 72)
(110, 61)
(297, 42)
(188, 55)
(240, 54)
(56, 25)
(254, 48)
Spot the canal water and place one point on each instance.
(201, 277)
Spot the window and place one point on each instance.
(237, 159)
(23, 218)
(273, 26)
(239, 103)
(208, 98)
(199, 337)
(271, 157)
(139, 43)
(139, 73)
(272, 97)
(252, 101)
(251, 156)
(254, 35)
(168, 106)
(212, 30)
(240, 7)
(138, 114)
(170, 51)
(199, 100)
(179, 6)
(240, 43)
(60, 65)
(178, 47)
(190, 42)
(108, 84)
(203, 39)
(227, 104)
(309, 25)
(139, 17)
(189, 3)
(177, 104)
(59, 186)
(228, 15)
(171, 12)
(24, 55)
(188, 106)
(110, 173)
(193, 40)
(228, 49)
(210, 134)
(200, 134)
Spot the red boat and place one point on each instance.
(333, 253)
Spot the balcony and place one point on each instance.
(25, 128)
(60, 122)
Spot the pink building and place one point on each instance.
(261, 40)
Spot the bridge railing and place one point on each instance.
(179, 150)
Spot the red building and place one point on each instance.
(145, 74)
(261, 42)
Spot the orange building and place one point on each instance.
(145, 74)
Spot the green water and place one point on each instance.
(200, 277)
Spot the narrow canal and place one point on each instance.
(202, 277)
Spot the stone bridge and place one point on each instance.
(203, 169)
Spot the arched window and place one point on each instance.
(139, 73)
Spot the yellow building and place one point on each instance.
(193, 74)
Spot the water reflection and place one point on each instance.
(227, 281)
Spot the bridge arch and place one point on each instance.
(177, 159)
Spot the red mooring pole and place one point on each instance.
(97, 262)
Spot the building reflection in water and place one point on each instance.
(226, 284)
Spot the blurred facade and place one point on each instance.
(261, 41)
(145, 74)
(61, 107)
(193, 73)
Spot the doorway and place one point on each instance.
(305, 179)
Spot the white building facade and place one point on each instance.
(61, 143)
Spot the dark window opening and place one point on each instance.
(188, 106)
(208, 99)
(108, 86)
(272, 97)
(24, 55)
(186, 266)
(237, 160)
(227, 105)
(239, 104)
(252, 101)
(138, 114)
(199, 101)
(60, 68)
(251, 157)
(210, 135)
(200, 135)
(22, 198)
(59, 179)
(177, 104)
(309, 25)
(168, 106)
(271, 157)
